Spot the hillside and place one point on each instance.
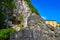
(34, 27)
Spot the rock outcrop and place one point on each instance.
(21, 9)
(34, 26)
(36, 30)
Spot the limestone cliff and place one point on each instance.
(22, 8)
(34, 26)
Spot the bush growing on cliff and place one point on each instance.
(20, 18)
(21, 26)
(5, 33)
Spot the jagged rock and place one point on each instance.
(30, 33)
(34, 26)
(35, 31)
(21, 8)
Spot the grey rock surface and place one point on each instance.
(35, 27)
(30, 33)
(38, 30)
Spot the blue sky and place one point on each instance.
(48, 9)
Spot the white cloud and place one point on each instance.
(44, 17)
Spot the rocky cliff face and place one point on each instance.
(34, 26)
(36, 30)
(22, 8)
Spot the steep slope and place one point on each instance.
(32, 8)
(34, 26)
(23, 10)
(36, 30)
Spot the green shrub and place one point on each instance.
(59, 34)
(21, 26)
(5, 33)
(20, 18)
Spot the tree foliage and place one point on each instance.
(5, 6)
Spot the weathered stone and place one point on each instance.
(34, 26)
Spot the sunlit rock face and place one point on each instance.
(34, 19)
(21, 8)
(35, 27)
(26, 12)
(36, 30)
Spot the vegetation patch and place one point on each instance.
(21, 26)
(59, 34)
(32, 8)
(5, 33)
(5, 7)
(20, 18)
